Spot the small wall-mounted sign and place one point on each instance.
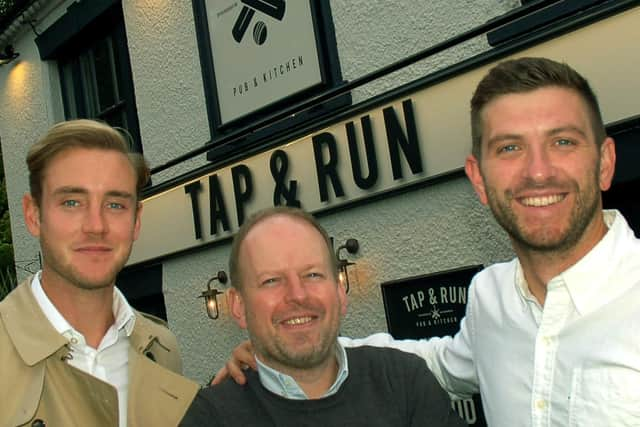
(432, 306)
(427, 306)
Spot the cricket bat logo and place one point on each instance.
(272, 8)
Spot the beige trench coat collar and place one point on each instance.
(36, 339)
(33, 335)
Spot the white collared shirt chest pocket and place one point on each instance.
(605, 396)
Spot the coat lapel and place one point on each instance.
(33, 335)
(157, 396)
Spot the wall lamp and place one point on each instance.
(8, 55)
(211, 295)
(352, 246)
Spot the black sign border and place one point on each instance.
(327, 51)
(385, 287)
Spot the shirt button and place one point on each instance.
(74, 340)
(541, 404)
(548, 341)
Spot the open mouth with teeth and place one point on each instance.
(294, 321)
(541, 201)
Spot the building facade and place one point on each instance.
(389, 78)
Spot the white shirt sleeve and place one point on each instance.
(449, 358)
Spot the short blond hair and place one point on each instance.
(82, 133)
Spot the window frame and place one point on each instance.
(71, 40)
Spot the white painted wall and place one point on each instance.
(25, 114)
(372, 34)
(426, 230)
(168, 82)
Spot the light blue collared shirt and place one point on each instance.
(285, 386)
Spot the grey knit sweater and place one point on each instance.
(385, 387)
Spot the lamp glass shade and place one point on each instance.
(211, 303)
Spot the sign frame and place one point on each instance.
(419, 296)
(321, 53)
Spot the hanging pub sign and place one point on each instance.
(259, 53)
(432, 306)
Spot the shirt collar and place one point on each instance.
(285, 386)
(58, 322)
(598, 278)
(122, 311)
(590, 281)
(522, 285)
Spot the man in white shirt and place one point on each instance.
(72, 350)
(550, 338)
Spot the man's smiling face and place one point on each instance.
(541, 171)
(289, 299)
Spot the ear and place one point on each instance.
(137, 224)
(472, 169)
(607, 163)
(236, 307)
(31, 213)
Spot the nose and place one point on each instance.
(540, 165)
(94, 221)
(296, 290)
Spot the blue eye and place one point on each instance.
(114, 205)
(269, 281)
(70, 203)
(508, 148)
(564, 141)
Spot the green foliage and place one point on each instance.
(5, 224)
(5, 7)
(7, 263)
(7, 282)
(6, 254)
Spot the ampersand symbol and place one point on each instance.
(432, 298)
(279, 164)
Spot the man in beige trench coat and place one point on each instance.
(72, 350)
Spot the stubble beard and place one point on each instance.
(546, 240)
(280, 354)
(69, 273)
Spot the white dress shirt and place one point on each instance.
(573, 362)
(110, 361)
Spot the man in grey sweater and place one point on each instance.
(287, 295)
